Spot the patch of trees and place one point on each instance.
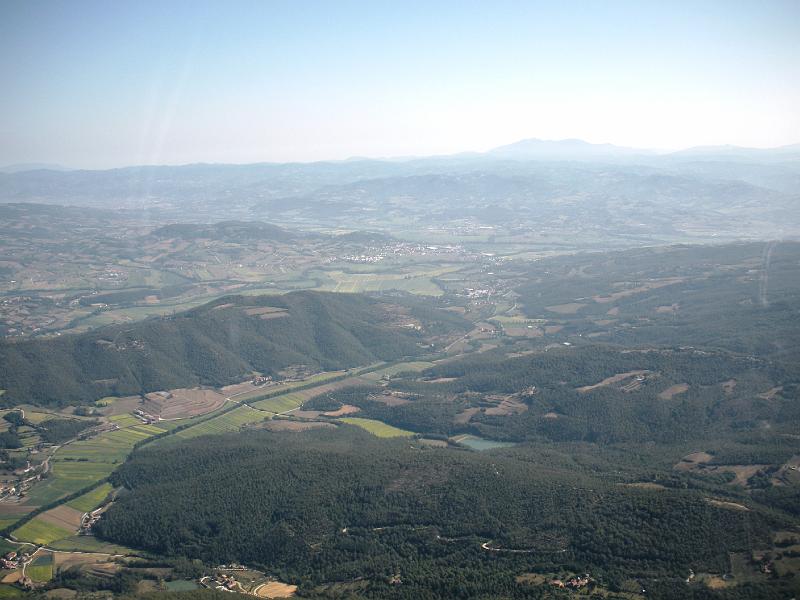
(55, 431)
(10, 440)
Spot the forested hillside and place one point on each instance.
(333, 505)
(594, 393)
(220, 343)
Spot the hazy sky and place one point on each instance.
(99, 84)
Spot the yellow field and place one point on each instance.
(282, 403)
(377, 428)
(41, 532)
(418, 282)
(225, 423)
(91, 500)
(399, 368)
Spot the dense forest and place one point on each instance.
(738, 297)
(336, 505)
(555, 395)
(219, 343)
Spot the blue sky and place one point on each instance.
(101, 84)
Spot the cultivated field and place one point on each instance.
(393, 370)
(244, 392)
(91, 500)
(293, 400)
(673, 390)
(41, 570)
(225, 423)
(63, 516)
(377, 428)
(39, 531)
(569, 308)
(84, 462)
(619, 377)
(418, 282)
(275, 589)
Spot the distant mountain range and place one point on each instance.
(22, 167)
(580, 150)
(554, 188)
(536, 149)
(532, 149)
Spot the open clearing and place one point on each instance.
(727, 505)
(267, 312)
(566, 309)
(391, 398)
(182, 403)
(673, 390)
(612, 380)
(391, 371)
(693, 461)
(377, 428)
(645, 485)
(651, 285)
(466, 415)
(112, 405)
(478, 443)
(65, 560)
(504, 405)
(770, 394)
(345, 409)
(275, 589)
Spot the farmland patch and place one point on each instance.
(673, 390)
(612, 380)
(377, 428)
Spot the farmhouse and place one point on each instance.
(578, 582)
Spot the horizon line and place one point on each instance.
(646, 151)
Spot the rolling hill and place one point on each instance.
(219, 343)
